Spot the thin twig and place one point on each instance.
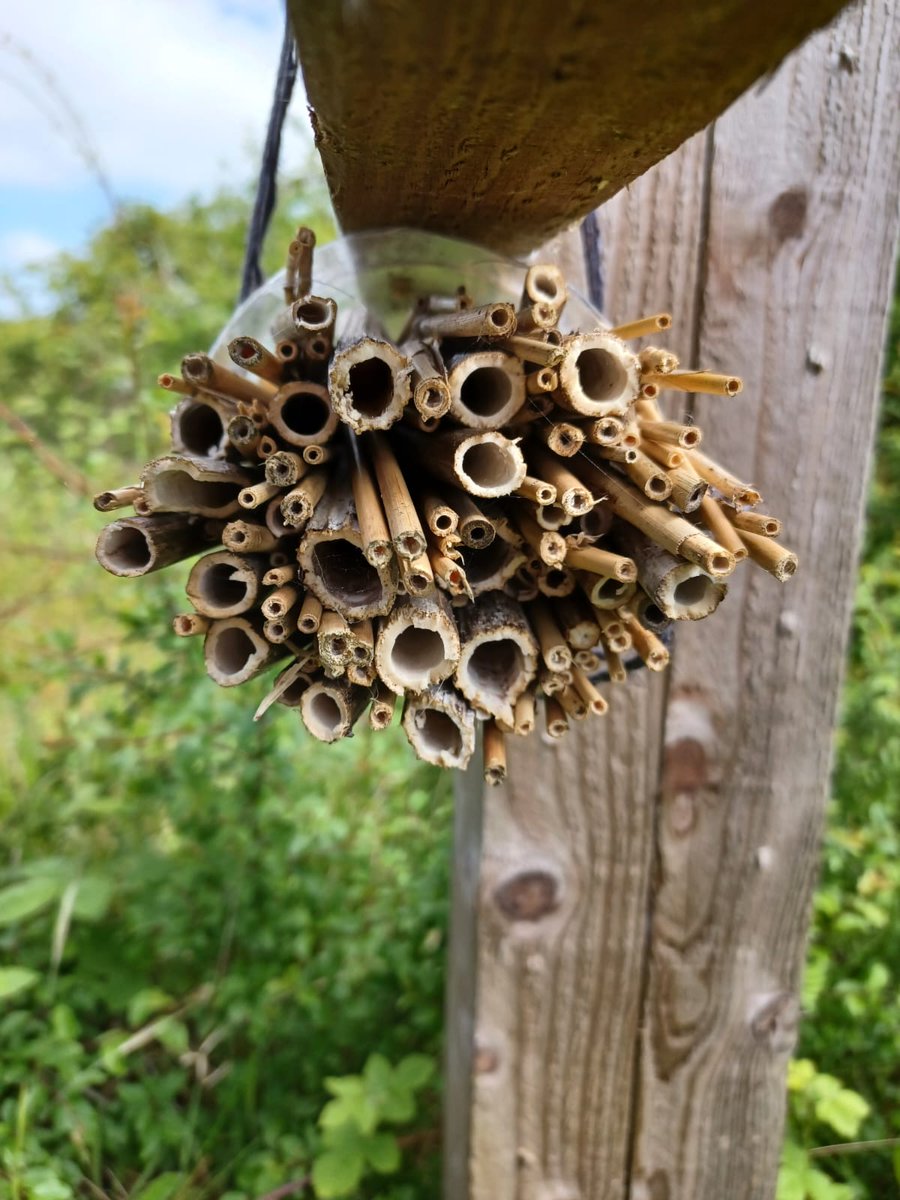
(853, 1147)
(68, 476)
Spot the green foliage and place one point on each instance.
(201, 919)
(852, 985)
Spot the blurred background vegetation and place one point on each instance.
(221, 950)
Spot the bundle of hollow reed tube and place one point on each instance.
(477, 520)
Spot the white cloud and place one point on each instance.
(173, 92)
(26, 247)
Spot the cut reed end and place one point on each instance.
(489, 465)
(330, 710)
(598, 375)
(224, 584)
(418, 645)
(234, 651)
(440, 728)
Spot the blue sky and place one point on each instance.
(174, 96)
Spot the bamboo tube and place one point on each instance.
(369, 382)
(281, 601)
(314, 315)
(549, 546)
(448, 574)
(258, 494)
(536, 318)
(647, 612)
(244, 436)
(333, 564)
(418, 645)
(619, 453)
(207, 487)
(576, 622)
(572, 703)
(537, 490)
(601, 562)
(614, 666)
(234, 651)
(440, 727)
(302, 414)
(555, 719)
(589, 694)
(334, 642)
(289, 686)
(275, 521)
(279, 576)
(542, 381)
(657, 362)
(562, 438)
(310, 614)
(598, 376)
(704, 382)
(551, 516)
(723, 481)
(487, 388)
(330, 710)
(407, 534)
(681, 590)
(486, 321)
(572, 496)
(299, 504)
(498, 656)
(206, 375)
(606, 431)
(485, 464)
(190, 624)
(298, 269)
(382, 711)
(117, 498)
(554, 651)
(198, 426)
(671, 433)
(643, 471)
(644, 327)
(475, 529)
(431, 391)
(534, 350)
(267, 446)
(243, 537)
(315, 455)
(225, 584)
(545, 284)
(647, 644)
(174, 383)
(666, 456)
(287, 350)
(491, 568)
(362, 643)
(494, 754)
(688, 489)
(596, 523)
(373, 526)
(284, 468)
(551, 683)
(416, 575)
(720, 527)
(251, 355)
(523, 713)
(279, 629)
(556, 581)
(751, 522)
(603, 591)
(766, 553)
(134, 546)
(439, 516)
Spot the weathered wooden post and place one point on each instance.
(630, 910)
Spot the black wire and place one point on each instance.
(592, 247)
(264, 203)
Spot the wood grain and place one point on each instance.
(802, 229)
(502, 123)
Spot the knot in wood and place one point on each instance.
(528, 896)
(486, 1060)
(774, 1021)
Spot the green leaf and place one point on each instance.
(414, 1071)
(336, 1173)
(378, 1072)
(844, 1111)
(801, 1072)
(383, 1153)
(173, 1035)
(792, 1174)
(22, 900)
(820, 1186)
(163, 1187)
(145, 1003)
(16, 979)
(93, 898)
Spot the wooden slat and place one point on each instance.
(802, 229)
(501, 122)
(545, 1109)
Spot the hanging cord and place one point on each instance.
(266, 187)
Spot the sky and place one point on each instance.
(174, 97)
